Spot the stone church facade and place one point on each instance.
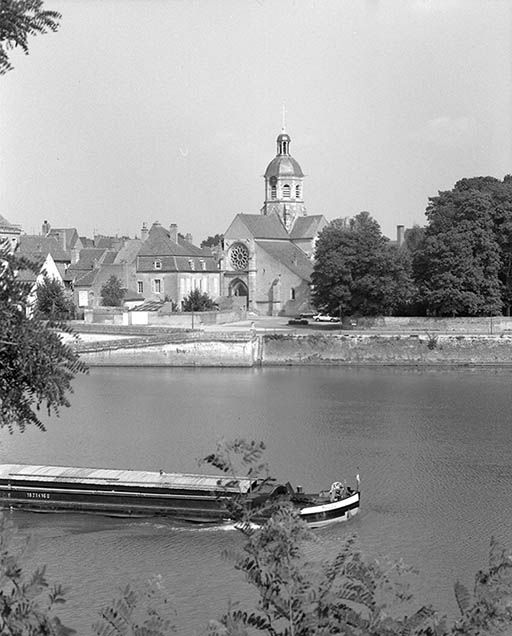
(268, 256)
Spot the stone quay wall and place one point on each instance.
(244, 350)
(193, 351)
(383, 349)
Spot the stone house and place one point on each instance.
(169, 267)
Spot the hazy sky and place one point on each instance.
(144, 110)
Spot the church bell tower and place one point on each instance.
(284, 194)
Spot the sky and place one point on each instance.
(168, 110)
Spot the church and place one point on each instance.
(268, 257)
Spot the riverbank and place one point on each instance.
(246, 349)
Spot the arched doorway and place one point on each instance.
(237, 287)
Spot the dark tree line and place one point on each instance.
(459, 264)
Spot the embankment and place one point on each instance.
(242, 350)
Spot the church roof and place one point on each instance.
(264, 227)
(306, 227)
(283, 166)
(290, 256)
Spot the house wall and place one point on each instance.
(178, 286)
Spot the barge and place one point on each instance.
(181, 496)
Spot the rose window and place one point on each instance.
(239, 256)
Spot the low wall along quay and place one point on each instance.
(323, 349)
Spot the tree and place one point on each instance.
(500, 193)
(457, 267)
(51, 301)
(112, 292)
(197, 301)
(36, 366)
(20, 19)
(213, 241)
(356, 270)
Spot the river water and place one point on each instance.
(433, 448)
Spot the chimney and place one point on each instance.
(144, 232)
(188, 237)
(45, 228)
(400, 233)
(173, 232)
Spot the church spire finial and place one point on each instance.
(284, 118)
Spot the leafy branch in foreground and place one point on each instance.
(136, 612)
(20, 19)
(36, 366)
(26, 603)
(489, 611)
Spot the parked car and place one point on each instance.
(298, 321)
(325, 318)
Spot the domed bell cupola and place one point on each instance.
(284, 178)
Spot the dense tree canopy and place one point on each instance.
(198, 301)
(112, 292)
(213, 241)
(457, 266)
(357, 271)
(51, 301)
(500, 193)
(36, 366)
(20, 19)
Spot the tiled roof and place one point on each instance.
(306, 226)
(33, 245)
(70, 233)
(264, 227)
(85, 279)
(104, 242)
(150, 305)
(89, 256)
(109, 258)
(129, 251)
(290, 256)
(160, 244)
(7, 225)
(177, 264)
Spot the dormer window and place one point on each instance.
(192, 264)
(286, 191)
(203, 264)
(157, 264)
